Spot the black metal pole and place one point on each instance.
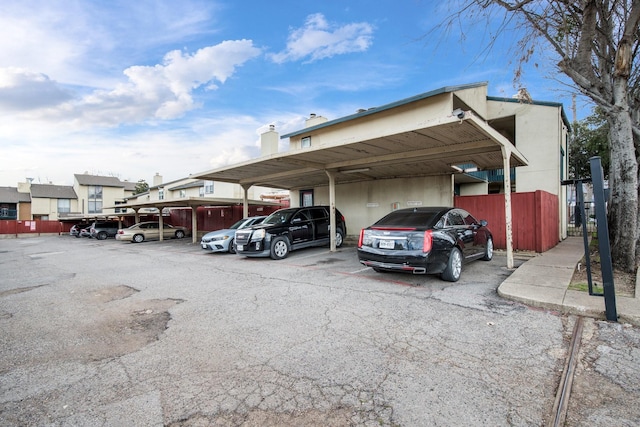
(606, 266)
(585, 236)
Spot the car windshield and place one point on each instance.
(409, 218)
(279, 217)
(237, 224)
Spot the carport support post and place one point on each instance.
(506, 156)
(245, 200)
(161, 223)
(194, 224)
(332, 209)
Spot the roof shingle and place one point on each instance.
(11, 195)
(50, 191)
(105, 181)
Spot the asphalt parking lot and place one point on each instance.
(166, 334)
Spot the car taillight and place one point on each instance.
(427, 244)
(120, 231)
(360, 238)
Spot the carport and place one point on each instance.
(434, 133)
(191, 202)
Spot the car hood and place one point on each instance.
(224, 232)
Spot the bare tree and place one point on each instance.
(596, 45)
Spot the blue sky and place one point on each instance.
(130, 88)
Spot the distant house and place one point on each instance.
(186, 188)
(14, 204)
(50, 202)
(88, 196)
(95, 193)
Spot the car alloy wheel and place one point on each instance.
(279, 248)
(488, 250)
(454, 266)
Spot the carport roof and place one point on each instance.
(429, 148)
(192, 202)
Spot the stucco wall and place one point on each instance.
(109, 197)
(41, 206)
(388, 122)
(474, 189)
(363, 203)
(539, 135)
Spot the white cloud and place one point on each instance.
(318, 39)
(164, 91)
(22, 90)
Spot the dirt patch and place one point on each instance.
(624, 282)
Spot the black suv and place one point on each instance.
(289, 229)
(103, 229)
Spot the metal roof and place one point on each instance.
(194, 184)
(389, 106)
(190, 202)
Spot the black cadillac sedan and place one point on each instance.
(425, 240)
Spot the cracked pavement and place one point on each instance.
(106, 333)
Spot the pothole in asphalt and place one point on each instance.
(342, 416)
(124, 328)
(330, 261)
(114, 293)
(18, 290)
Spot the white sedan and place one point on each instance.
(150, 231)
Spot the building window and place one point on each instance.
(201, 193)
(208, 187)
(160, 193)
(183, 194)
(306, 198)
(306, 142)
(120, 210)
(64, 205)
(95, 199)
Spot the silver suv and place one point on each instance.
(103, 229)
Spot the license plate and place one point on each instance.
(204, 246)
(387, 244)
(239, 247)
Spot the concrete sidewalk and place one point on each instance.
(543, 281)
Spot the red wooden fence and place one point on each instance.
(30, 227)
(535, 218)
(209, 219)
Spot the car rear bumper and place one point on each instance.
(394, 267)
(408, 262)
